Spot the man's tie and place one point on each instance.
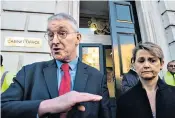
(65, 85)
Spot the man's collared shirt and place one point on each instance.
(72, 71)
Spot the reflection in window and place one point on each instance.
(90, 56)
(127, 43)
(123, 13)
(116, 62)
(110, 72)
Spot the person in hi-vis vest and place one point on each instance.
(6, 77)
(169, 77)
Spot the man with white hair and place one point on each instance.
(43, 88)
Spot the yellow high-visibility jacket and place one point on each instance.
(7, 80)
(169, 79)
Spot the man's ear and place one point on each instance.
(78, 39)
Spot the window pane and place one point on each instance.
(123, 13)
(110, 72)
(94, 18)
(94, 25)
(90, 56)
(127, 44)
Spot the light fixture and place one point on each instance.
(93, 29)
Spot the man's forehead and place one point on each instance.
(58, 24)
(56, 27)
(172, 63)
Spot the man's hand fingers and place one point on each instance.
(84, 97)
(69, 109)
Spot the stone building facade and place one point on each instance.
(22, 20)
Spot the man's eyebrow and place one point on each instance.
(63, 28)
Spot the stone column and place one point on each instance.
(74, 8)
(151, 26)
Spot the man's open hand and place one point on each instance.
(65, 102)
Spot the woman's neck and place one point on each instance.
(149, 85)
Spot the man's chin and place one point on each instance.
(58, 57)
(61, 58)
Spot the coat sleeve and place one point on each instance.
(105, 111)
(13, 102)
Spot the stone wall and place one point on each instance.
(28, 19)
(167, 10)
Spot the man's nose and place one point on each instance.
(55, 39)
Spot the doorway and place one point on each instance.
(100, 57)
(95, 49)
(109, 31)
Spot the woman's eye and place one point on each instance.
(152, 61)
(141, 61)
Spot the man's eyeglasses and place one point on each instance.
(60, 35)
(171, 66)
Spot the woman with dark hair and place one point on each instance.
(151, 97)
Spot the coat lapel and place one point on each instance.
(50, 75)
(81, 77)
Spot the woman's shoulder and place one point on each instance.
(131, 95)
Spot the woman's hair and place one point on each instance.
(154, 49)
